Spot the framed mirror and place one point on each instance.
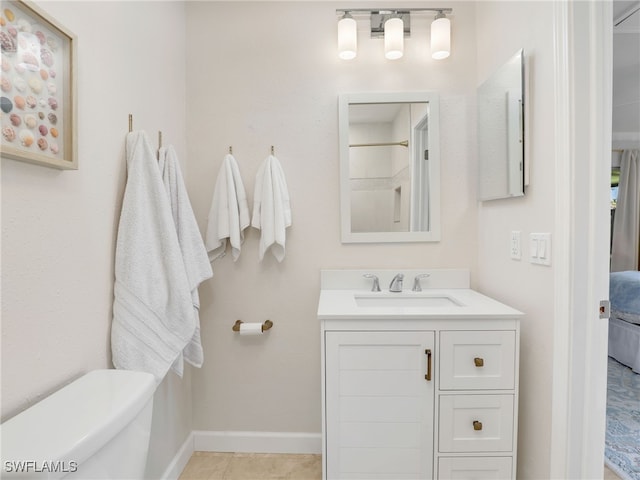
(501, 171)
(389, 167)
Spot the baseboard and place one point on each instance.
(180, 459)
(257, 442)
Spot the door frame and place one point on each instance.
(583, 37)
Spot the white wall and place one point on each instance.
(267, 73)
(59, 227)
(503, 28)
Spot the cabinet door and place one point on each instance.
(379, 405)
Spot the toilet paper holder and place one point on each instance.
(265, 326)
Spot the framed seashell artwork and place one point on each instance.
(38, 100)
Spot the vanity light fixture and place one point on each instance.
(394, 25)
(440, 37)
(393, 38)
(347, 37)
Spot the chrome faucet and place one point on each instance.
(416, 282)
(376, 283)
(396, 283)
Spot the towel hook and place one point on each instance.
(230, 149)
(130, 123)
(159, 139)
(272, 150)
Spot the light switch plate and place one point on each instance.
(540, 248)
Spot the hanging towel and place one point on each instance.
(194, 254)
(271, 208)
(229, 212)
(153, 319)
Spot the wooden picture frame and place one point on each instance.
(38, 105)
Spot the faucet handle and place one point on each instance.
(376, 283)
(396, 283)
(416, 282)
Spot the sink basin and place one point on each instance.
(418, 300)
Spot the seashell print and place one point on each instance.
(24, 26)
(53, 103)
(20, 83)
(29, 61)
(9, 134)
(41, 37)
(43, 103)
(3, 22)
(35, 84)
(19, 68)
(42, 144)
(15, 119)
(7, 44)
(30, 121)
(5, 84)
(26, 138)
(54, 147)
(12, 31)
(19, 101)
(52, 88)
(43, 130)
(6, 66)
(9, 14)
(6, 105)
(44, 74)
(47, 57)
(52, 73)
(54, 132)
(53, 43)
(41, 115)
(52, 118)
(31, 101)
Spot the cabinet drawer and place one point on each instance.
(463, 468)
(477, 360)
(475, 423)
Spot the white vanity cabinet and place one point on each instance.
(419, 393)
(430, 402)
(379, 404)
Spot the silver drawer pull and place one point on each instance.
(477, 425)
(479, 362)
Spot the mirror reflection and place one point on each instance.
(501, 132)
(389, 167)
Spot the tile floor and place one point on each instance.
(252, 466)
(257, 466)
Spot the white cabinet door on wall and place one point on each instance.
(379, 404)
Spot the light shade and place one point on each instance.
(440, 37)
(393, 38)
(347, 37)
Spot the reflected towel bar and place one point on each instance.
(265, 326)
(388, 144)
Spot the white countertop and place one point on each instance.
(341, 304)
(339, 289)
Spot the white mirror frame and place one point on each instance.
(432, 172)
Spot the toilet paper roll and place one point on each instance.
(250, 329)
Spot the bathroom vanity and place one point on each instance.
(417, 384)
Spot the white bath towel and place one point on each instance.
(153, 318)
(271, 208)
(229, 212)
(194, 254)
